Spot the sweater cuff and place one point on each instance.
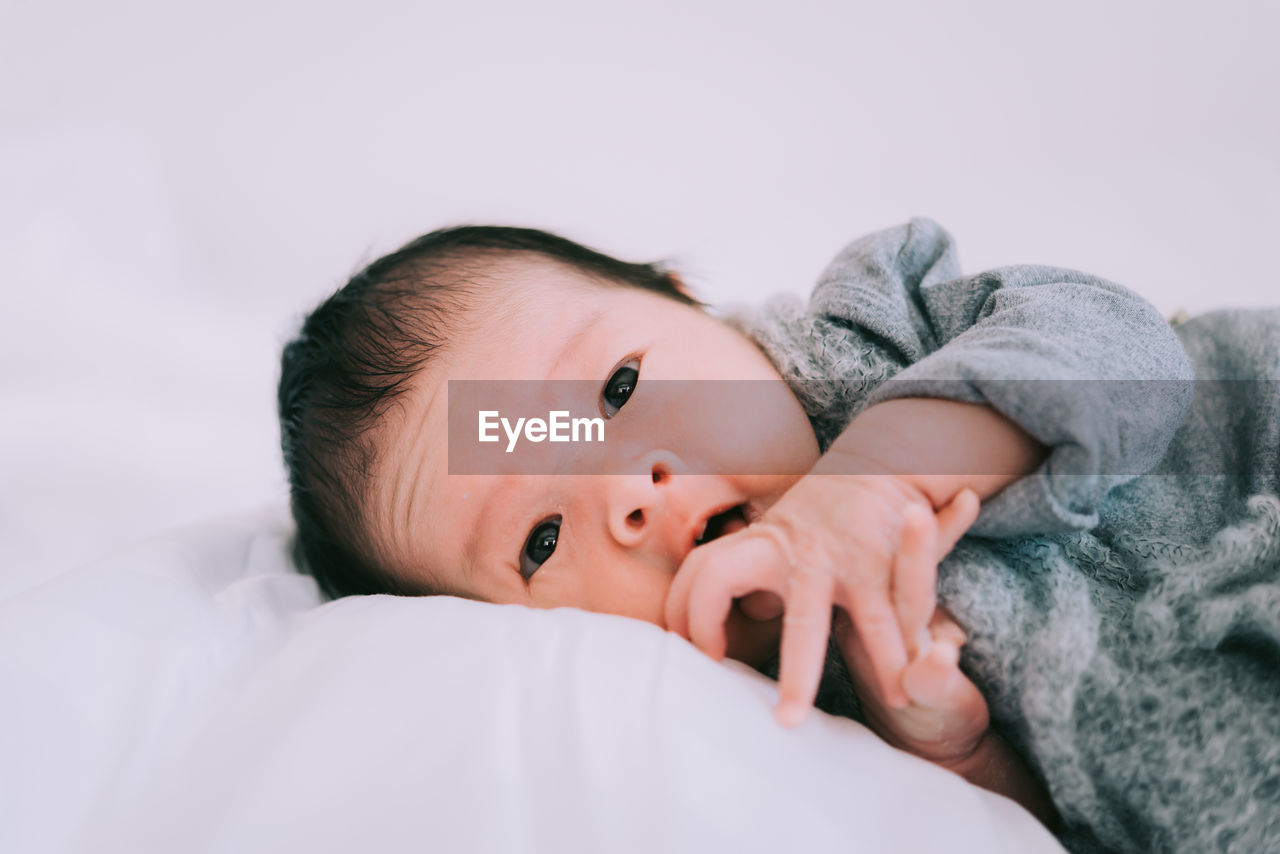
(1041, 503)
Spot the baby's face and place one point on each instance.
(609, 540)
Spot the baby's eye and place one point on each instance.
(540, 546)
(620, 387)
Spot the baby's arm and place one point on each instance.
(938, 446)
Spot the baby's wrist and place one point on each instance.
(874, 468)
(937, 490)
(868, 472)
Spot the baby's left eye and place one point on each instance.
(619, 388)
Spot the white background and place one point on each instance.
(180, 181)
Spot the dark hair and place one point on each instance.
(357, 352)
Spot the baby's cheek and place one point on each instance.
(639, 592)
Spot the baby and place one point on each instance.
(914, 409)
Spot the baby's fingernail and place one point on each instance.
(789, 715)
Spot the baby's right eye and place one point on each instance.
(540, 546)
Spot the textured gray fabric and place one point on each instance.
(1123, 601)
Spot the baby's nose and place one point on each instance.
(639, 507)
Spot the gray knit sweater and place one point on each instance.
(1123, 601)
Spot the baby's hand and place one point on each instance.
(830, 540)
(947, 715)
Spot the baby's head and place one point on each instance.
(364, 418)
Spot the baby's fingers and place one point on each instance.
(942, 627)
(806, 625)
(726, 570)
(955, 518)
(949, 705)
(915, 576)
(876, 623)
(933, 678)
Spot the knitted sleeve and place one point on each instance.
(1085, 366)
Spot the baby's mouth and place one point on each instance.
(726, 522)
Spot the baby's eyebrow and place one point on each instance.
(574, 338)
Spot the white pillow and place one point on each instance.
(194, 694)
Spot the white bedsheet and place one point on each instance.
(193, 694)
